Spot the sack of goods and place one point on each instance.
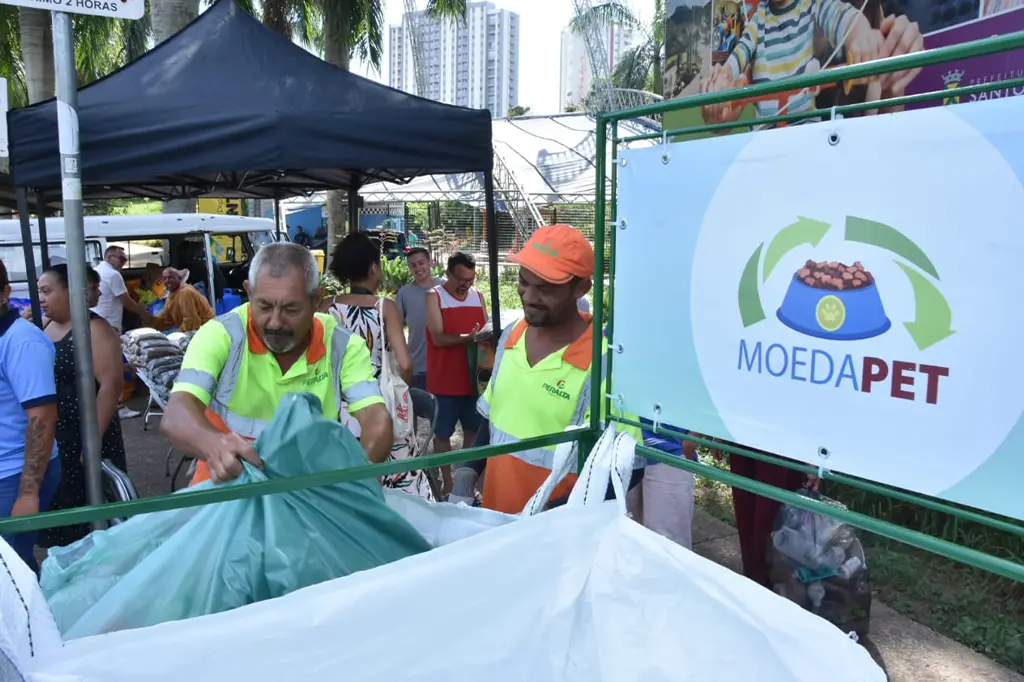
(818, 562)
(576, 594)
(201, 560)
(181, 339)
(142, 346)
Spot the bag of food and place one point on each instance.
(818, 562)
(195, 561)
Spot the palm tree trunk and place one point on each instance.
(37, 53)
(275, 17)
(167, 18)
(336, 51)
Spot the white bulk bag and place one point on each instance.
(577, 594)
(27, 628)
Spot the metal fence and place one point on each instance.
(444, 227)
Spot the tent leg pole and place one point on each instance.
(30, 260)
(44, 242)
(74, 238)
(492, 253)
(277, 218)
(353, 210)
(211, 293)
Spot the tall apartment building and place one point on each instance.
(576, 71)
(472, 64)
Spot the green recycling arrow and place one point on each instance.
(803, 231)
(751, 311)
(932, 317)
(881, 235)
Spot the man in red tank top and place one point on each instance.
(455, 314)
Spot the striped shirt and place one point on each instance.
(778, 42)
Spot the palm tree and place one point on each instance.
(638, 68)
(26, 50)
(356, 27)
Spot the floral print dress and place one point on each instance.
(365, 321)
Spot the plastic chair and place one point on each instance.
(117, 487)
(424, 406)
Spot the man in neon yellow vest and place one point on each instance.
(240, 365)
(540, 383)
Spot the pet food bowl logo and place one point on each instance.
(832, 300)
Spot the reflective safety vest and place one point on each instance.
(229, 368)
(525, 402)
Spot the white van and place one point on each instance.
(195, 241)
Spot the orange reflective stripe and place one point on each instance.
(509, 483)
(202, 471)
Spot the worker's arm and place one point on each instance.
(360, 390)
(109, 370)
(131, 305)
(184, 422)
(435, 325)
(28, 368)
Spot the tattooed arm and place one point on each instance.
(29, 369)
(42, 422)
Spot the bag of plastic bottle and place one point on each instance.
(202, 560)
(819, 563)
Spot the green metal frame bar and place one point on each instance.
(827, 113)
(184, 499)
(997, 565)
(612, 240)
(977, 48)
(971, 557)
(995, 523)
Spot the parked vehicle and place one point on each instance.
(216, 249)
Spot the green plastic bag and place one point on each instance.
(191, 562)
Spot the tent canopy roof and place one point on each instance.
(231, 108)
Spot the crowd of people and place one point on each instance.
(288, 338)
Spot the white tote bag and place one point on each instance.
(577, 594)
(393, 387)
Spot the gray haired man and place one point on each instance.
(240, 365)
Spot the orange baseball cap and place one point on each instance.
(556, 254)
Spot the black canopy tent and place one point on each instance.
(227, 107)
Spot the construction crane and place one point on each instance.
(413, 22)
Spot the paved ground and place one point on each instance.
(908, 651)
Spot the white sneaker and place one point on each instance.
(126, 413)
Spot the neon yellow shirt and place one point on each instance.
(231, 371)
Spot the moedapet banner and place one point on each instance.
(850, 288)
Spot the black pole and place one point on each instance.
(30, 258)
(44, 244)
(492, 253)
(277, 219)
(353, 209)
